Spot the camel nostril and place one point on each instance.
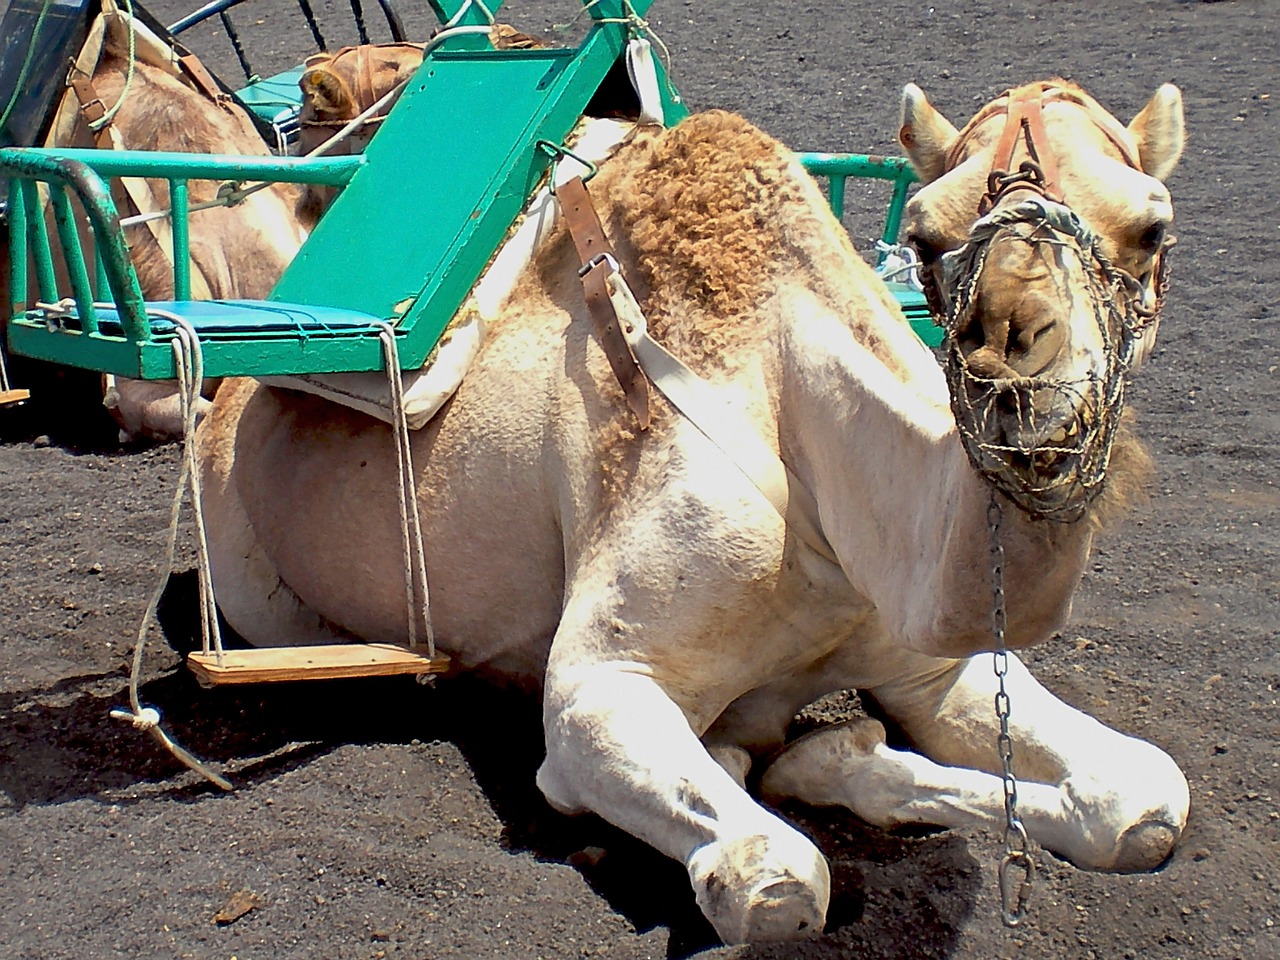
(1034, 344)
(1029, 334)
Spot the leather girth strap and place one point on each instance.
(202, 79)
(91, 108)
(596, 254)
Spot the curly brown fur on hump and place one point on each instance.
(698, 214)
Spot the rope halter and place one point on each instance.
(1054, 476)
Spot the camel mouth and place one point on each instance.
(1044, 458)
(1041, 442)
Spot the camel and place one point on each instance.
(672, 620)
(237, 251)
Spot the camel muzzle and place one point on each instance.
(1042, 440)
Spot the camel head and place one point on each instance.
(338, 87)
(1044, 224)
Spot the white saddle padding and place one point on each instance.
(644, 78)
(427, 389)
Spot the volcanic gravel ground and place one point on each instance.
(382, 818)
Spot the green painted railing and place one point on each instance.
(76, 179)
(839, 167)
(67, 173)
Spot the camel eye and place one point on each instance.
(1152, 238)
(927, 251)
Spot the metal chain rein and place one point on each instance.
(1017, 867)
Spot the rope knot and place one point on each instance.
(147, 718)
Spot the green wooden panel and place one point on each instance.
(448, 174)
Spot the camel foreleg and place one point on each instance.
(619, 746)
(1101, 799)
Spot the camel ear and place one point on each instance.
(924, 133)
(326, 93)
(1159, 132)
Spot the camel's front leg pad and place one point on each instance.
(761, 888)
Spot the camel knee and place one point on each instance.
(762, 887)
(1132, 822)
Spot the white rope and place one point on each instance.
(4, 372)
(189, 361)
(899, 260)
(190, 368)
(464, 8)
(107, 117)
(638, 25)
(415, 562)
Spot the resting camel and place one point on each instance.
(673, 622)
(236, 251)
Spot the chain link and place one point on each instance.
(1017, 868)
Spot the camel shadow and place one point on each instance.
(60, 746)
(65, 407)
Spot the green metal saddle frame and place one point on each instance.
(440, 184)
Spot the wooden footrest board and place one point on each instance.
(13, 396)
(326, 662)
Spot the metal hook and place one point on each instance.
(1014, 890)
(558, 151)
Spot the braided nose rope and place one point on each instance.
(1049, 475)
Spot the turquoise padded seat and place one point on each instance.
(212, 318)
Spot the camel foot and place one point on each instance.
(1144, 846)
(752, 891)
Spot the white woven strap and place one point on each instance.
(736, 436)
(644, 77)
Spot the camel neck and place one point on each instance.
(903, 509)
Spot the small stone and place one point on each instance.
(586, 857)
(240, 903)
(42, 441)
